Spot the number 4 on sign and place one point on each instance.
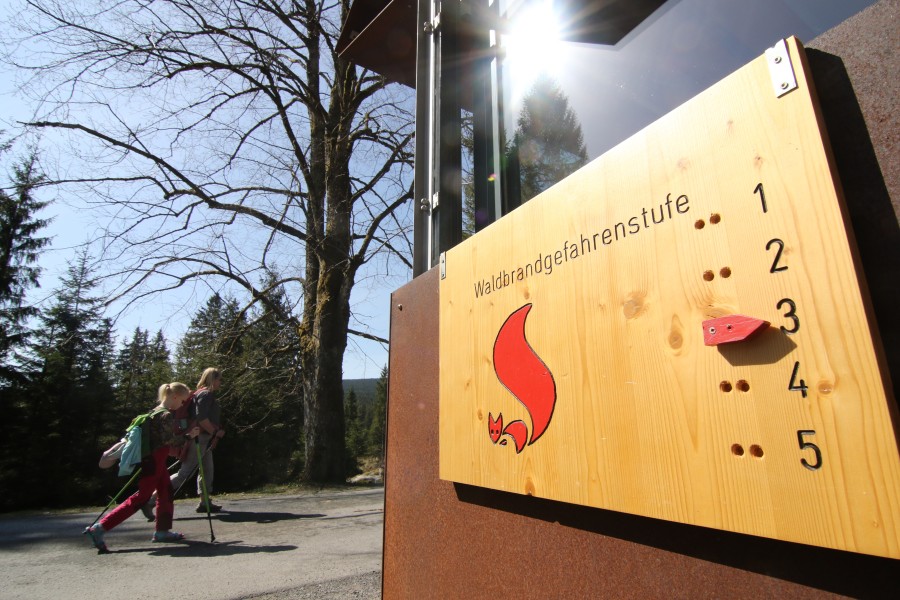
(794, 385)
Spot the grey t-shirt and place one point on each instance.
(207, 407)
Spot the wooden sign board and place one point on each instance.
(677, 330)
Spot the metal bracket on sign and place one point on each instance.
(781, 71)
(443, 265)
(431, 26)
(426, 205)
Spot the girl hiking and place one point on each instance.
(154, 475)
(207, 414)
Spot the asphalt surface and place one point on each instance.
(325, 544)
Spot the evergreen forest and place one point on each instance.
(69, 387)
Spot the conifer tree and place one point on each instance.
(141, 367)
(265, 402)
(70, 401)
(355, 435)
(159, 364)
(20, 246)
(217, 337)
(213, 339)
(379, 416)
(548, 144)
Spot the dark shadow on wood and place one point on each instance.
(767, 348)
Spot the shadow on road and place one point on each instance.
(200, 549)
(237, 516)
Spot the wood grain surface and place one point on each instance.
(727, 205)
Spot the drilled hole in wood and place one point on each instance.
(743, 385)
(714, 218)
(725, 386)
(725, 272)
(709, 275)
(756, 451)
(700, 224)
(737, 449)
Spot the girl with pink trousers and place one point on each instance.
(154, 475)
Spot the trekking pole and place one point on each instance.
(193, 470)
(212, 536)
(115, 499)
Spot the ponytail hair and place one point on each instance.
(163, 392)
(209, 375)
(171, 388)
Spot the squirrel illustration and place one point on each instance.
(527, 378)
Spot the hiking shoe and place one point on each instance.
(201, 508)
(167, 536)
(147, 509)
(95, 532)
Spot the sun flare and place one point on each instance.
(532, 43)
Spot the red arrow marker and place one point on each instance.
(731, 329)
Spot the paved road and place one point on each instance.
(315, 545)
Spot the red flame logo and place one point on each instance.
(527, 378)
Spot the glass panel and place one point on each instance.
(467, 147)
(565, 103)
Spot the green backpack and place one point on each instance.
(137, 441)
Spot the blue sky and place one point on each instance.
(72, 226)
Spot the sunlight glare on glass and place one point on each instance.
(532, 42)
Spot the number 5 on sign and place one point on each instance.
(804, 445)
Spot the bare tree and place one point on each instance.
(226, 139)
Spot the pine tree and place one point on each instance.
(141, 366)
(379, 416)
(20, 247)
(159, 364)
(548, 144)
(265, 402)
(70, 401)
(129, 370)
(355, 436)
(213, 339)
(255, 450)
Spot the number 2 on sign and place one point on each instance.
(776, 268)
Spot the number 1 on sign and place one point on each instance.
(762, 196)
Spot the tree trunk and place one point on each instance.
(323, 385)
(326, 315)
